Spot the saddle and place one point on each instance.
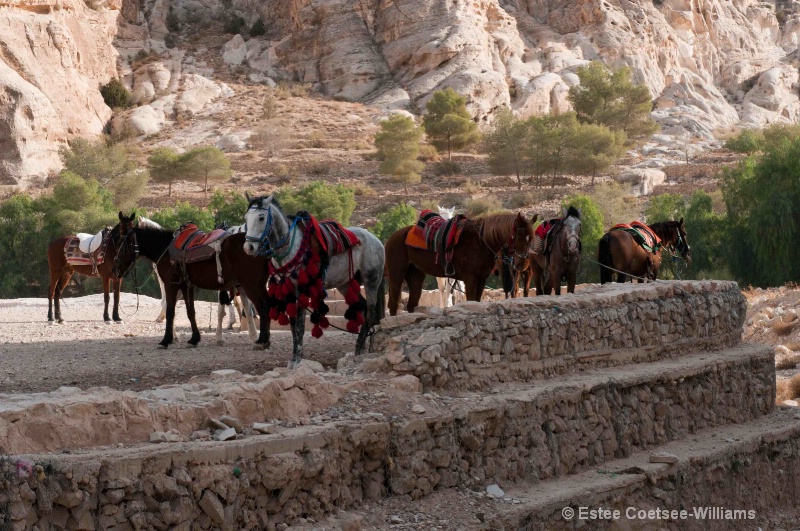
(87, 249)
(190, 244)
(333, 238)
(548, 231)
(434, 233)
(642, 234)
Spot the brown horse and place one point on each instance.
(563, 258)
(238, 269)
(61, 272)
(473, 257)
(619, 251)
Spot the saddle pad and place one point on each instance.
(545, 227)
(434, 233)
(193, 245)
(89, 242)
(75, 256)
(642, 234)
(333, 238)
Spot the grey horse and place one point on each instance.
(271, 232)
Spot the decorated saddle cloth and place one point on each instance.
(642, 234)
(333, 238)
(548, 230)
(434, 233)
(190, 244)
(96, 244)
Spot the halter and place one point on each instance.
(122, 248)
(265, 248)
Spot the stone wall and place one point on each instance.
(473, 345)
(549, 430)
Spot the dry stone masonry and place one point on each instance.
(475, 344)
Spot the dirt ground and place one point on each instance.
(84, 352)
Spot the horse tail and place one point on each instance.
(604, 257)
(225, 297)
(508, 278)
(380, 303)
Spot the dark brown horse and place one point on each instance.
(61, 272)
(619, 253)
(238, 269)
(562, 259)
(473, 257)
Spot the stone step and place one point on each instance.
(751, 467)
(554, 429)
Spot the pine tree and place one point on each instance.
(398, 142)
(448, 124)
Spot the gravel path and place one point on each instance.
(84, 352)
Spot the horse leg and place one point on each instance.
(106, 288)
(220, 319)
(372, 286)
(171, 298)
(163, 314)
(621, 278)
(117, 285)
(415, 279)
(443, 295)
(262, 343)
(298, 329)
(188, 296)
(62, 283)
(526, 282)
(247, 308)
(51, 291)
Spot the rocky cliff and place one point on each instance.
(709, 64)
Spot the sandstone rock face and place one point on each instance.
(53, 57)
(708, 64)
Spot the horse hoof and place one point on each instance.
(119, 321)
(107, 321)
(160, 346)
(261, 346)
(61, 321)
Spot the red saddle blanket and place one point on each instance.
(434, 233)
(546, 226)
(643, 234)
(190, 244)
(75, 256)
(333, 238)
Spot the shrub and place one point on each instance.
(258, 29)
(747, 141)
(482, 206)
(319, 168)
(317, 140)
(115, 94)
(428, 153)
(233, 24)
(170, 40)
(323, 200)
(394, 219)
(471, 187)
(446, 168)
(521, 200)
(269, 106)
(364, 190)
(229, 207)
(173, 217)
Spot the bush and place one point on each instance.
(521, 200)
(428, 153)
(173, 217)
(446, 168)
(115, 94)
(394, 219)
(269, 106)
(364, 190)
(229, 208)
(747, 141)
(258, 29)
(482, 206)
(323, 200)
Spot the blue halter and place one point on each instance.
(265, 248)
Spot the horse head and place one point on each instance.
(572, 232)
(266, 226)
(673, 237)
(682, 244)
(447, 213)
(522, 238)
(126, 248)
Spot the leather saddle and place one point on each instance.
(89, 243)
(190, 244)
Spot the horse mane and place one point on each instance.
(259, 201)
(573, 212)
(664, 228)
(496, 229)
(147, 223)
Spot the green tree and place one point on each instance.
(551, 144)
(323, 200)
(80, 205)
(762, 197)
(597, 148)
(394, 219)
(230, 207)
(612, 99)
(506, 145)
(115, 94)
(206, 163)
(747, 141)
(165, 166)
(112, 166)
(448, 123)
(398, 142)
(183, 212)
(591, 232)
(24, 237)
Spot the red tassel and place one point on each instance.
(273, 313)
(303, 301)
(291, 310)
(323, 322)
(316, 332)
(352, 327)
(360, 318)
(283, 319)
(312, 269)
(312, 293)
(288, 287)
(352, 296)
(302, 278)
(272, 290)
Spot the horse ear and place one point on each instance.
(120, 215)
(534, 218)
(132, 216)
(681, 222)
(247, 196)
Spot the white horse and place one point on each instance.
(451, 291)
(271, 233)
(225, 303)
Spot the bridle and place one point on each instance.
(124, 247)
(265, 247)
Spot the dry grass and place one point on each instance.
(471, 187)
(787, 388)
(481, 206)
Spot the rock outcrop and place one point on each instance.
(53, 57)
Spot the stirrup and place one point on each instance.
(449, 269)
